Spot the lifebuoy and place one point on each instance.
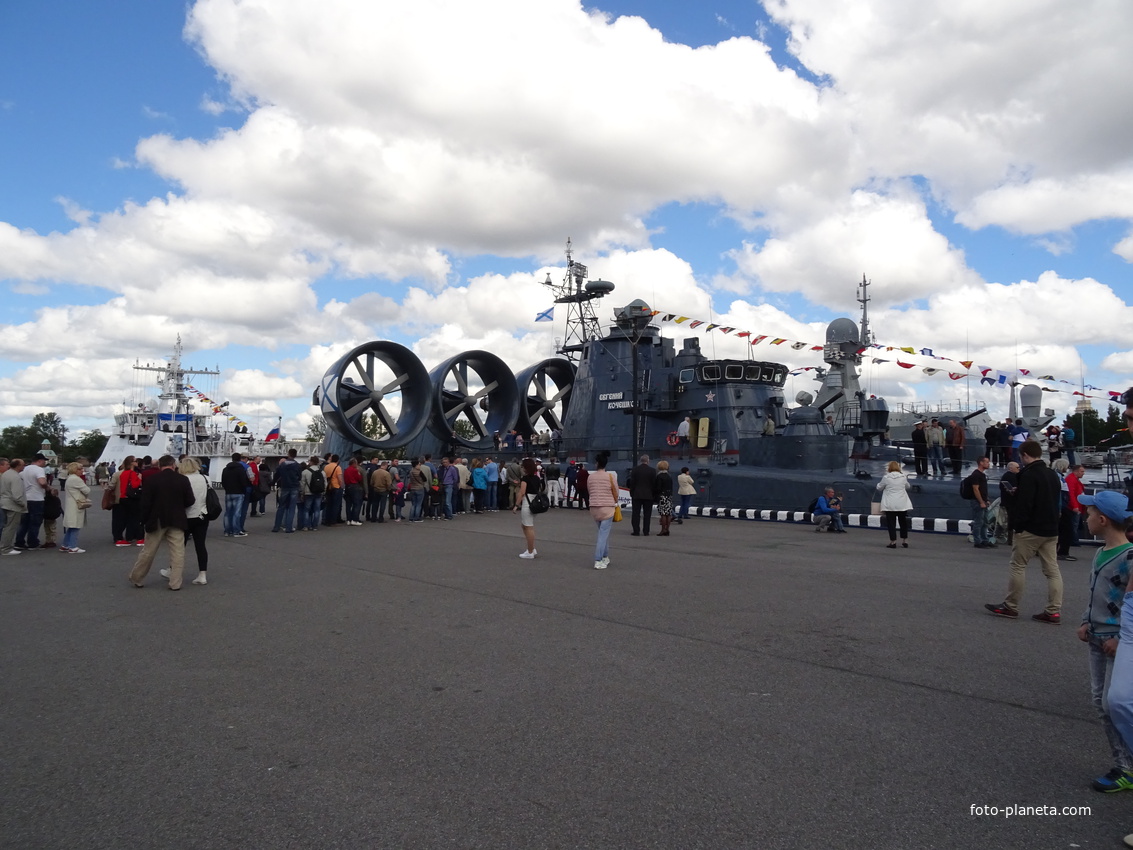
(673, 439)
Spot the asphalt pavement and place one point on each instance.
(734, 685)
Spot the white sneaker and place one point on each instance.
(77, 551)
(599, 565)
(201, 579)
(606, 561)
(164, 573)
(14, 552)
(528, 555)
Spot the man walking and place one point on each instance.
(682, 437)
(1034, 521)
(641, 479)
(164, 499)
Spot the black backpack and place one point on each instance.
(810, 508)
(966, 490)
(213, 509)
(318, 484)
(539, 503)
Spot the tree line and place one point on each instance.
(24, 441)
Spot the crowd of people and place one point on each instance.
(934, 441)
(35, 497)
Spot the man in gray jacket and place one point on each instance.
(13, 502)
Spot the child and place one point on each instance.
(1107, 516)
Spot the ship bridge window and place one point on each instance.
(767, 373)
(733, 373)
(688, 376)
(780, 376)
(751, 373)
(710, 372)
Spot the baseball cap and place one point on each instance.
(1111, 503)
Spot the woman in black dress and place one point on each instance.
(663, 496)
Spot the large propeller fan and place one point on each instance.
(545, 389)
(382, 380)
(474, 395)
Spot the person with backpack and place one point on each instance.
(312, 485)
(1068, 437)
(974, 488)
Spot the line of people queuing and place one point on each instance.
(35, 496)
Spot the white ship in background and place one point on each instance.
(177, 423)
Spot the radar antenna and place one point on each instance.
(579, 295)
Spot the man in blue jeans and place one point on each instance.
(234, 479)
(450, 478)
(35, 489)
(827, 514)
(980, 503)
(287, 480)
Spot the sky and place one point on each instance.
(278, 181)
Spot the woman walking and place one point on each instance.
(529, 485)
(602, 501)
(895, 503)
(663, 496)
(686, 489)
(197, 524)
(74, 517)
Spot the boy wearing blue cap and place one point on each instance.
(1107, 516)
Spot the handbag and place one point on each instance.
(617, 513)
(82, 504)
(108, 499)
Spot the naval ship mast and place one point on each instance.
(579, 296)
(173, 399)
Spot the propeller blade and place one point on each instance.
(486, 390)
(394, 384)
(350, 413)
(383, 416)
(367, 374)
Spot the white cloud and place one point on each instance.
(886, 237)
(361, 155)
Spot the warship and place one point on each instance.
(178, 422)
(626, 389)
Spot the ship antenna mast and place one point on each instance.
(863, 299)
(579, 295)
